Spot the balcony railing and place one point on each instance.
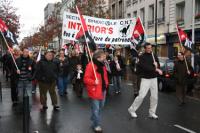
(180, 21)
(135, 1)
(150, 23)
(128, 3)
(161, 20)
(197, 18)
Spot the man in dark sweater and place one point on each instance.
(24, 64)
(148, 68)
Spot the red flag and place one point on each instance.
(80, 34)
(182, 35)
(3, 26)
(185, 40)
(84, 29)
(138, 32)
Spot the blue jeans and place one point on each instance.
(62, 84)
(117, 83)
(23, 87)
(96, 107)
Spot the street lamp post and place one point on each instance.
(156, 27)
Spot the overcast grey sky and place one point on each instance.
(31, 14)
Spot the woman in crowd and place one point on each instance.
(117, 72)
(63, 73)
(96, 81)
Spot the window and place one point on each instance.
(120, 9)
(151, 12)
(113, 11)
(197, 10)
(151, 16)
(142, 15)
(161, 9)
(161, 15)
(128, 3)
(135, 14)
(180, 10)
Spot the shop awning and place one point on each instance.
(161, 39)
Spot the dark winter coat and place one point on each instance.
(46, 71)
(114, 70)
(73, 62)
(63, 67)
(180, 72)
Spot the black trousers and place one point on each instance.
(13, 86)
(78, 86)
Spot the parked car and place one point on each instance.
(166, 81)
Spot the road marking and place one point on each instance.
(185, 129)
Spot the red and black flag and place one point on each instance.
(184, 40)
(8, 35)
(138, 35)
(84, 31)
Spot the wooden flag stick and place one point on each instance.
(87, 45)
(10, 51)
(182, 48)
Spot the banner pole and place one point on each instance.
(87, 46)
(182, 48)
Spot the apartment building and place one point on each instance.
(169, 13)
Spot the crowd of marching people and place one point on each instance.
(53, 70)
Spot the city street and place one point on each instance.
(75, 113)
(88, 43)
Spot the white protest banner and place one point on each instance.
(103, 31)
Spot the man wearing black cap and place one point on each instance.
(47, 73)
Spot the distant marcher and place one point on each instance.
(5, 61)
(34, 81)
(13, 75)
(181, 74)
(78, 80)
(117, 72)
(63, 73)
(74, 60)
(136, 74)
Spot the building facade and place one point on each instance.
(48, 10)
(117, 9)
(145, 9)
(53, 10)
(169, 13)
(181, 13)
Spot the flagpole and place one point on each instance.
(182, 48)
(87, 45)
(10, 51)
(193, 32)
(146, 38)
(86, 53)
(39, 55)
